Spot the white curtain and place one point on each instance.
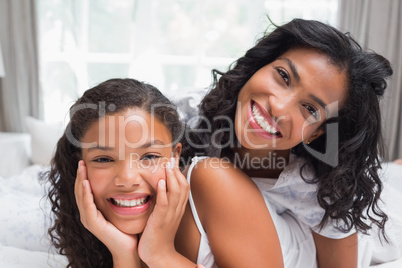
(19, 88)
(377, 25)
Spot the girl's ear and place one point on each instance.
(177, 152)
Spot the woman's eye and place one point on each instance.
(313, 111)
(284, 75)
(103, 160)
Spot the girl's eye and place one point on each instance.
(103, 160)
(284, 75)
(150, 160)
(313, 111)
(150, 157)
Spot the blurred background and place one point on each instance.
(173, 44)
(53, 50)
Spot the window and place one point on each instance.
(172, 44)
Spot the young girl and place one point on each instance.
(299, 114)
(122, 133)
(117, 210)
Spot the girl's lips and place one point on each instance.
(130, 204)
(129, 196)
(270, 123)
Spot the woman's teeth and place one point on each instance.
(129, 203)
(263, 123)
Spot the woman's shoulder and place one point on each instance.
(228, 202)
(216, 170)
(213, 180)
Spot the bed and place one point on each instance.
(25, 214)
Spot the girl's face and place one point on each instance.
(126, 154)
(286, 101)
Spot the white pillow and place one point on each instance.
(44, 137)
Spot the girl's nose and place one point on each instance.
(128, 175)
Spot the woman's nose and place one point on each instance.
(128, 175)
(281, 107)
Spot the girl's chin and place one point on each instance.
(131, 228)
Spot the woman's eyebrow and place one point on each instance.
(292, 68)
(297, 76)
(319, 101)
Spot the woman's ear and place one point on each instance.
(315, 135)
(177, 151)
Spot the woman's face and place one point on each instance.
(286, 101)
(126, 154)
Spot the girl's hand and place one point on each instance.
(156, 247)
(123, 247)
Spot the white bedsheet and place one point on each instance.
(13, 257)
(24, 220)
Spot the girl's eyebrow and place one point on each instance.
(151, 143)
(292, 68)
(97, 147)
(145, 145)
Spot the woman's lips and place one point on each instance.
(262, 122)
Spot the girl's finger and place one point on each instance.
(89, 206)
(181, 179)
(161, 196)
(84, 196)
(184, 187)
(81, 176)
(173, 188)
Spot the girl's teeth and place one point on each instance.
(263, 123)
(130, 203)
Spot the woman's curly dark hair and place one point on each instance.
(67, 233)
(349, 192)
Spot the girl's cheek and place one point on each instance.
(97, 178)
(154, 174)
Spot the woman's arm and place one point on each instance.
(234, 215)
(336, 253)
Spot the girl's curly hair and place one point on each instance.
(67, 233)
(349, 192)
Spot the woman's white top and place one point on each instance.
(205, 256)
(295, 212)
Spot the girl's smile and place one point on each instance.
(130, 204)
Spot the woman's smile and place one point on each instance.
(260, 120)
